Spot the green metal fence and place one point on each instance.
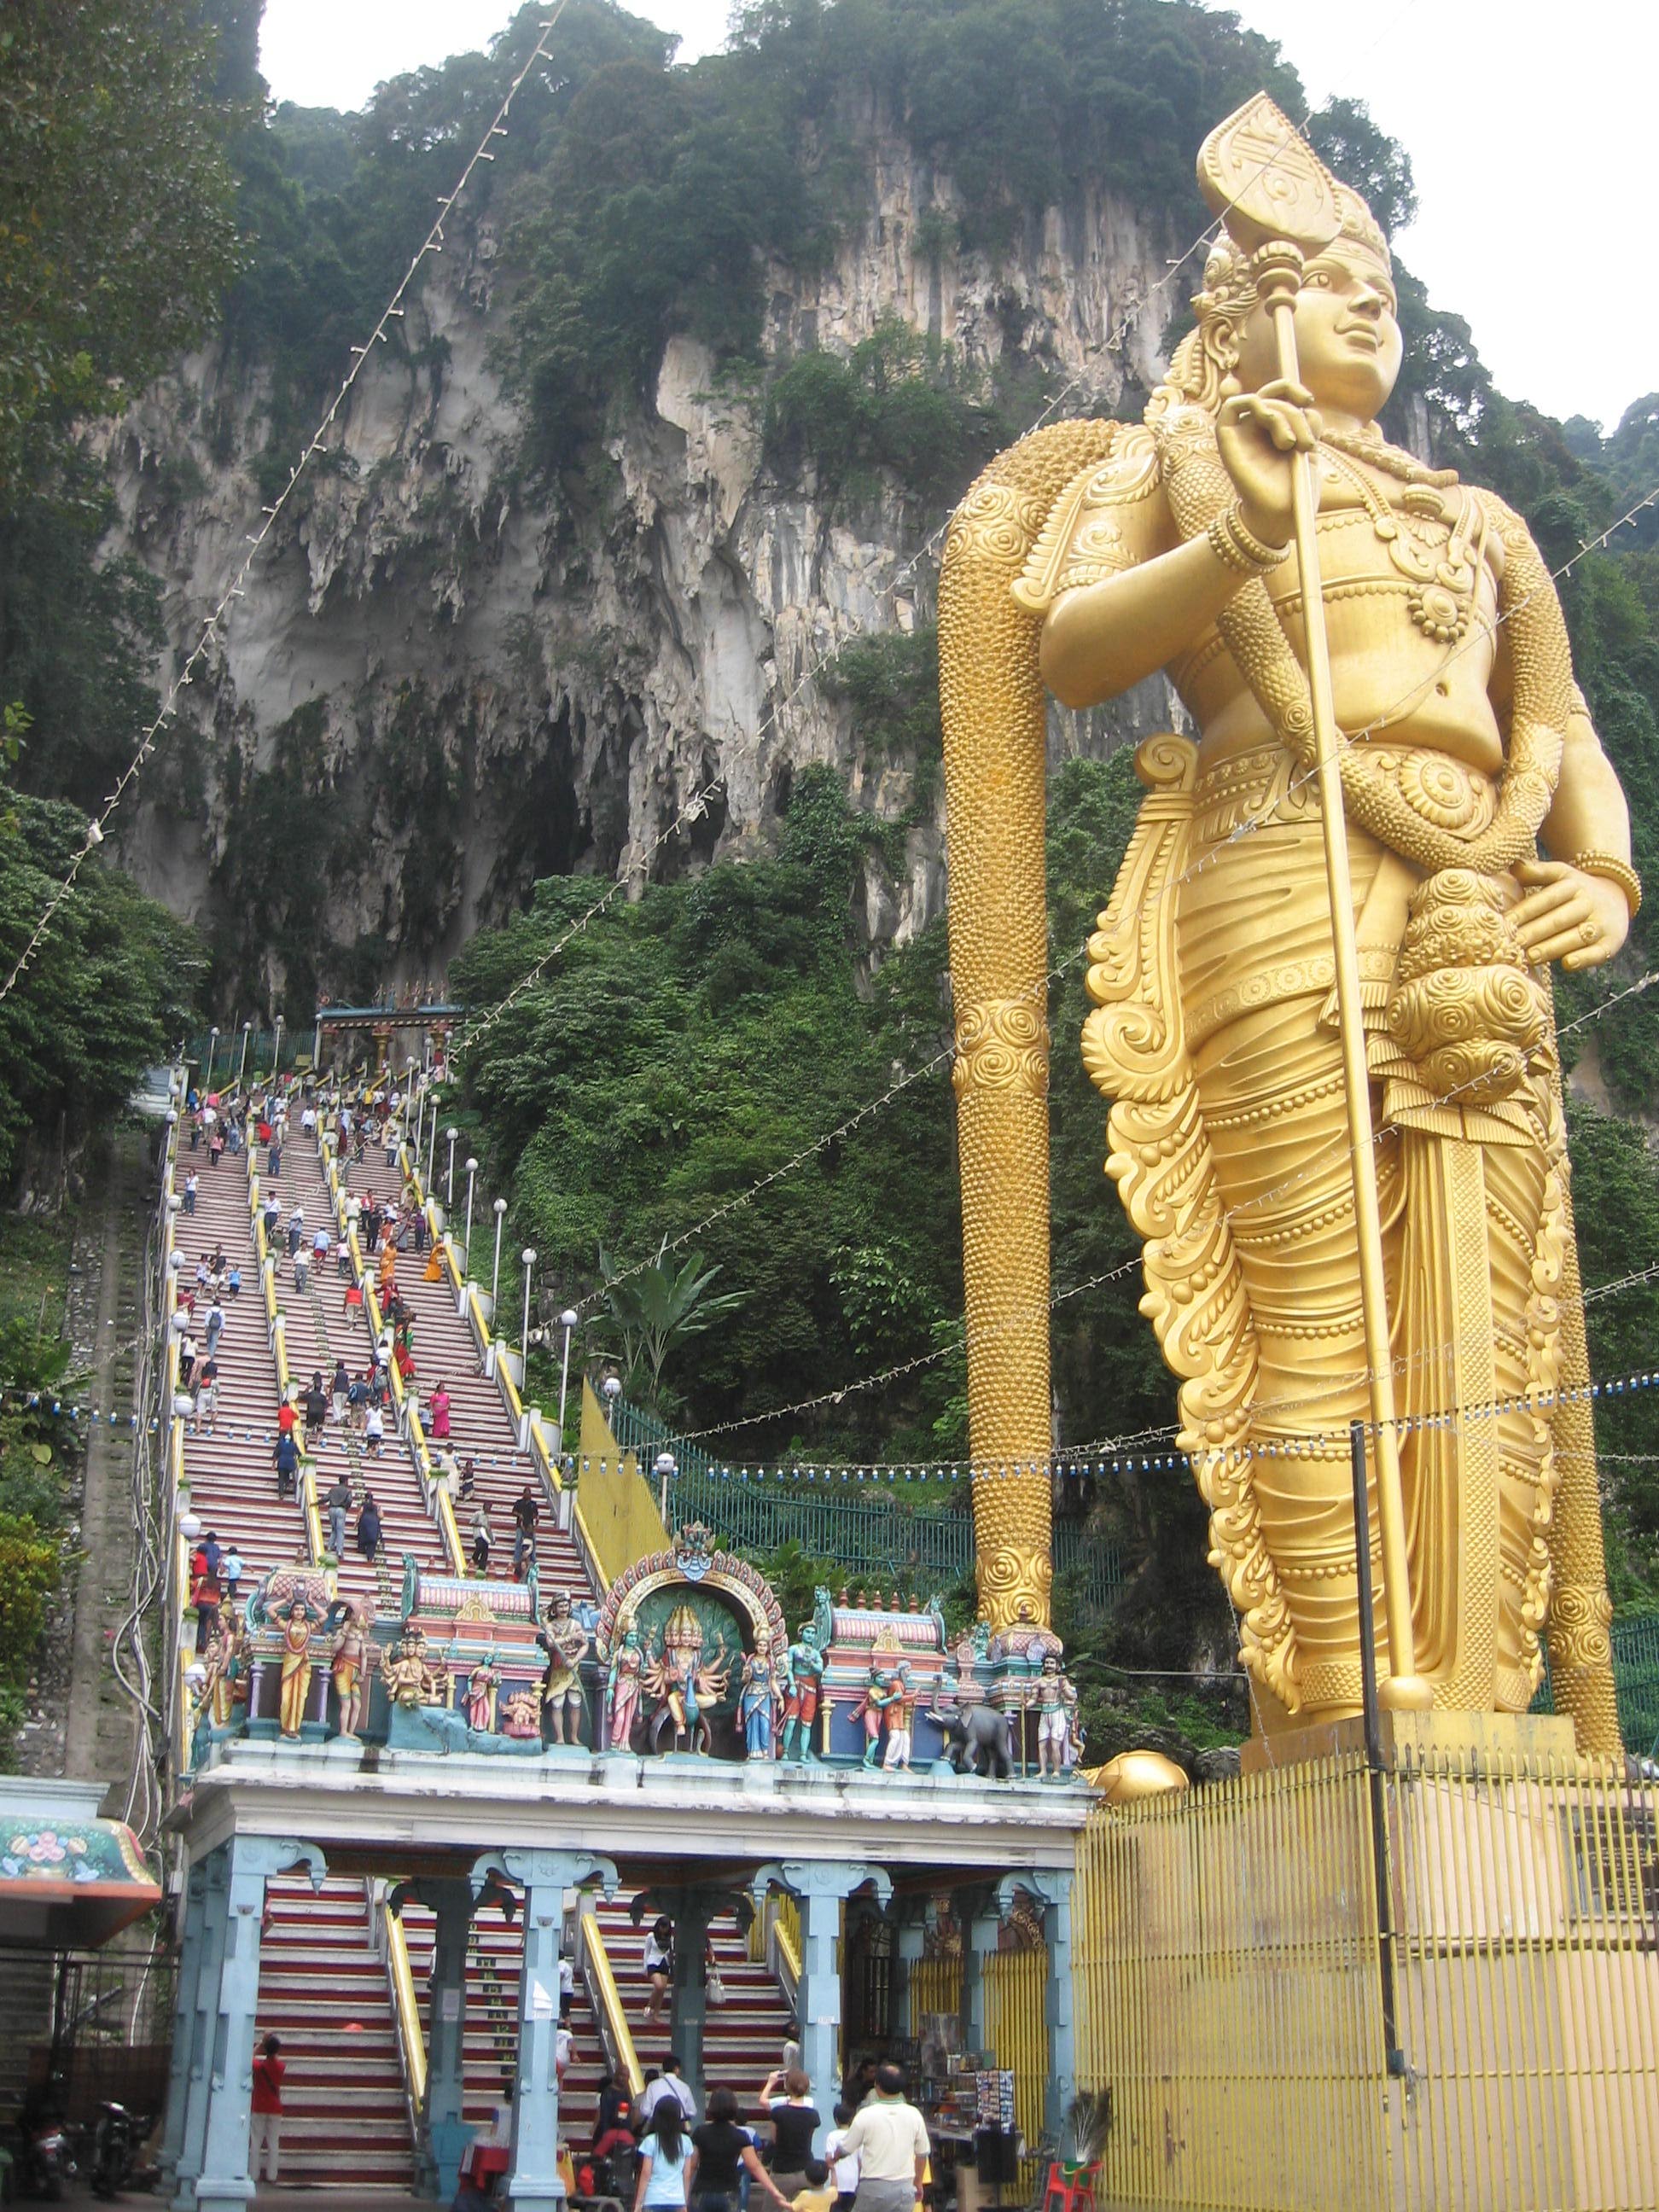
(1635, 1680)
(872, 1528)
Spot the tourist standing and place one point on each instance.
(265, 2124)
(723, 2153)
(659, 1969)
(338, 1503)
(526, 1512)
(889, 2138)
(666, 2162)
(794, 2123)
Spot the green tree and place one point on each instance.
(110, 992)
(116, 235)
(659, 1309)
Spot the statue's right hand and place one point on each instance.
(1259, 435)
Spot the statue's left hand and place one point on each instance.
(1564, 914)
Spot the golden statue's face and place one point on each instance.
(1347, 333)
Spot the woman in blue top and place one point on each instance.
(667, 2161)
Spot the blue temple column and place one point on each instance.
(198, 1992)
(224, 2184)
(192, 1921)
(533, 2183)
(691, 1910)
(984, 1924)
(1051, 1888)
(821, 1887)
(443, 2132)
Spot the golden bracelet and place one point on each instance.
(1613, 870)
(1236, 547)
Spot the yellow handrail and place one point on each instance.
(406, 2006)
(610, 2006)
(787, 1927)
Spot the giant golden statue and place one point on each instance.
(1342, 1145)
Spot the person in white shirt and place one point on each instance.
(669, 2083)
(888, 2137)
(844, 2163)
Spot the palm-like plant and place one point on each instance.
(657, 1308)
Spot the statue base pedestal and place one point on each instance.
(1489, 2043)
(1413, 1737)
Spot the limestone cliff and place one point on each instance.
(445, 680)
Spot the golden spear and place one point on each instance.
(1276, 200)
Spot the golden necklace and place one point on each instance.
(1441, 576)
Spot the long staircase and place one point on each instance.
(323, 1989)
(324, 1986)
(230, 1469)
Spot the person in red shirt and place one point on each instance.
(266, 2125)
(286, 1418)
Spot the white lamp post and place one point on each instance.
(431, 1147)
(665, 1476)
(495, 1271)
(241, 1065)
(528, 1255)
(612, 1387)
(451, 1133)
(567, 1320)
(207, 1079)
(466, 1249)
(277, 1052)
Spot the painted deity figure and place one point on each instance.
(880, 1692)
(412, 1680)
(566, 1644)
(482, 1684)
(803, 1683)
(225, 1681)
(622, 1690)
(521, 1713)
(684, 1684)
(351, 1663)
(758, 1700)
(1487, 841)
(1054, 1696)
(899, 1717)
(296, 1669)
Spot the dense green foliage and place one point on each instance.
(115, 235)
(700, 1039)
(110, 992)
(116, 240)
(38, 1448)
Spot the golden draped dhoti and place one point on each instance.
(1216, 1038)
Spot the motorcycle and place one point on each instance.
(45, 2162)
(112, 2143)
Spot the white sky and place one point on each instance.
(1527, 121)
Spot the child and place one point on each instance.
(844, 2164)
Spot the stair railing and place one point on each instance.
(391, 1941)
(593, 1964)
(783, 1947)
(472, 1308)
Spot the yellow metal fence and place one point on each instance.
(1230, 1990)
